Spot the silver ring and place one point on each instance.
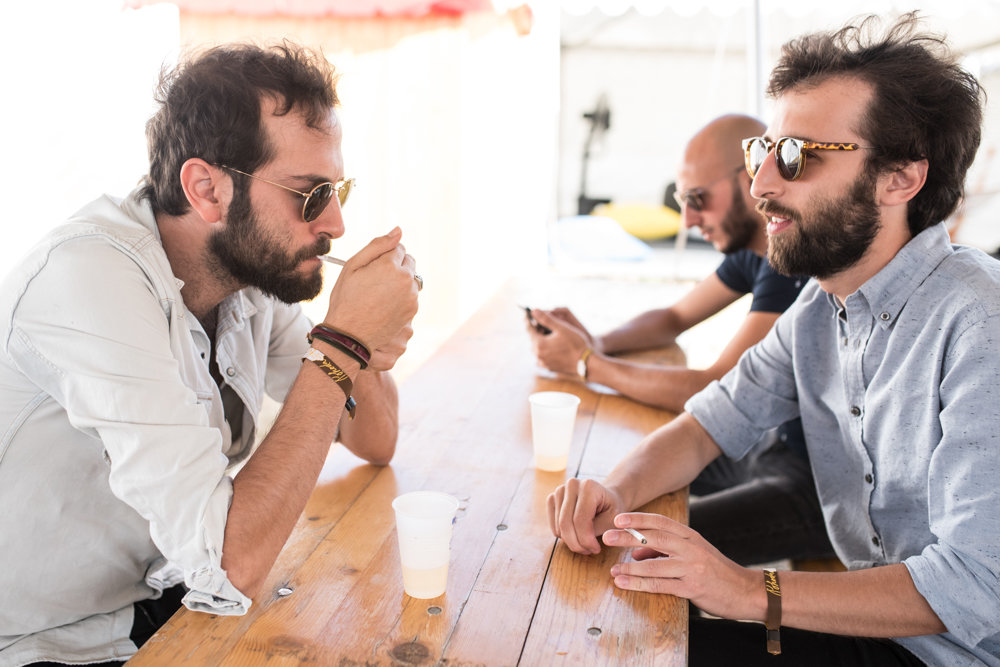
(420, 281)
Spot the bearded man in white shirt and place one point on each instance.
(139, 339)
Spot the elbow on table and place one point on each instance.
(247, 580)
(381, 456)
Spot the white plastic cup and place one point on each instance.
(423, 528)
(553, 414)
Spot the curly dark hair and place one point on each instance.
(210, 107)
(924, 104)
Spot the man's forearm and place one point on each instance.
(372, 434)
(655, 328)
(664, 461)
(876, 602)
(271, 490)
(667, 387)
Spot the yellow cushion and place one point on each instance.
(643, 221)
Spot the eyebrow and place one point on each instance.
(312, 178)
(800, 138)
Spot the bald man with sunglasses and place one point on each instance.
(735, 499)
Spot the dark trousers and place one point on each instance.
(150, 615)
(761, 508)
(720, 643)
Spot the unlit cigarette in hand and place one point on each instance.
(636, 534)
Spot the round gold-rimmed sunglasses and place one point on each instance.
(789, 153)
(317, 198)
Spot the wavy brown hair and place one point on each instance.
(210, 108)
(924, 104)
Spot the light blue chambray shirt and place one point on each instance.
(115, 454)
(898, 394)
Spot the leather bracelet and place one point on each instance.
(344, 342)
(335, 373)
(772, 622)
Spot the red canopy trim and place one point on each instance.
(321, 8)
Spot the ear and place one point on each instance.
(904, 183)
(208, 188)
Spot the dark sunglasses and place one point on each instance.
(694, 198)
(317, 198)
(789, 153)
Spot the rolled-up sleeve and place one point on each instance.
(959, 574)
(764, 383)
(105, 346)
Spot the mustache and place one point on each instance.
(321, 247)
(768, 208)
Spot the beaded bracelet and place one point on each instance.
(344, 342)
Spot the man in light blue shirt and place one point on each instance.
(890, 359)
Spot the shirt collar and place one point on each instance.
(140, 210)
(887, 292)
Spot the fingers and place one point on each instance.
(573, 508)
(658, 575)
(377, 247)
(648, 521)
(645, 553)
(384, 358)
(375, 297)
(553, 505)
(544, 318)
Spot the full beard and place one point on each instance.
(243, 253)
(739, 225)
(833, 238)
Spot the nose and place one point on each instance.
(329, 223)
(767, 183)
(690, 217)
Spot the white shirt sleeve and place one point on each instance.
(113, 347)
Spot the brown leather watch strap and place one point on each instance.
(773, 619)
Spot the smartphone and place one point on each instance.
(540, 328)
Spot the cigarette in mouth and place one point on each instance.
(636, 534)
(332, 260)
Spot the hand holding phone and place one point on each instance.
(539, 327)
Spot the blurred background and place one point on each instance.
(484, 128)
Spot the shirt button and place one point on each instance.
(230, 371)
(855, 410)
(868, 478)
(884, 317)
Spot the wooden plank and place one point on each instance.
(499, 609)
(582, 619)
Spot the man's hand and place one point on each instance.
(386, 356)
(375, 299)
(679, 561)
(562, 348)
(567, 316)
(579, 510)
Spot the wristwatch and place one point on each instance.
(581, 363)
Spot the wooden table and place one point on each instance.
(515, 595)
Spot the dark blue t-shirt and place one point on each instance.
(746, 272)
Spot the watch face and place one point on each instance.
(581, 368)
